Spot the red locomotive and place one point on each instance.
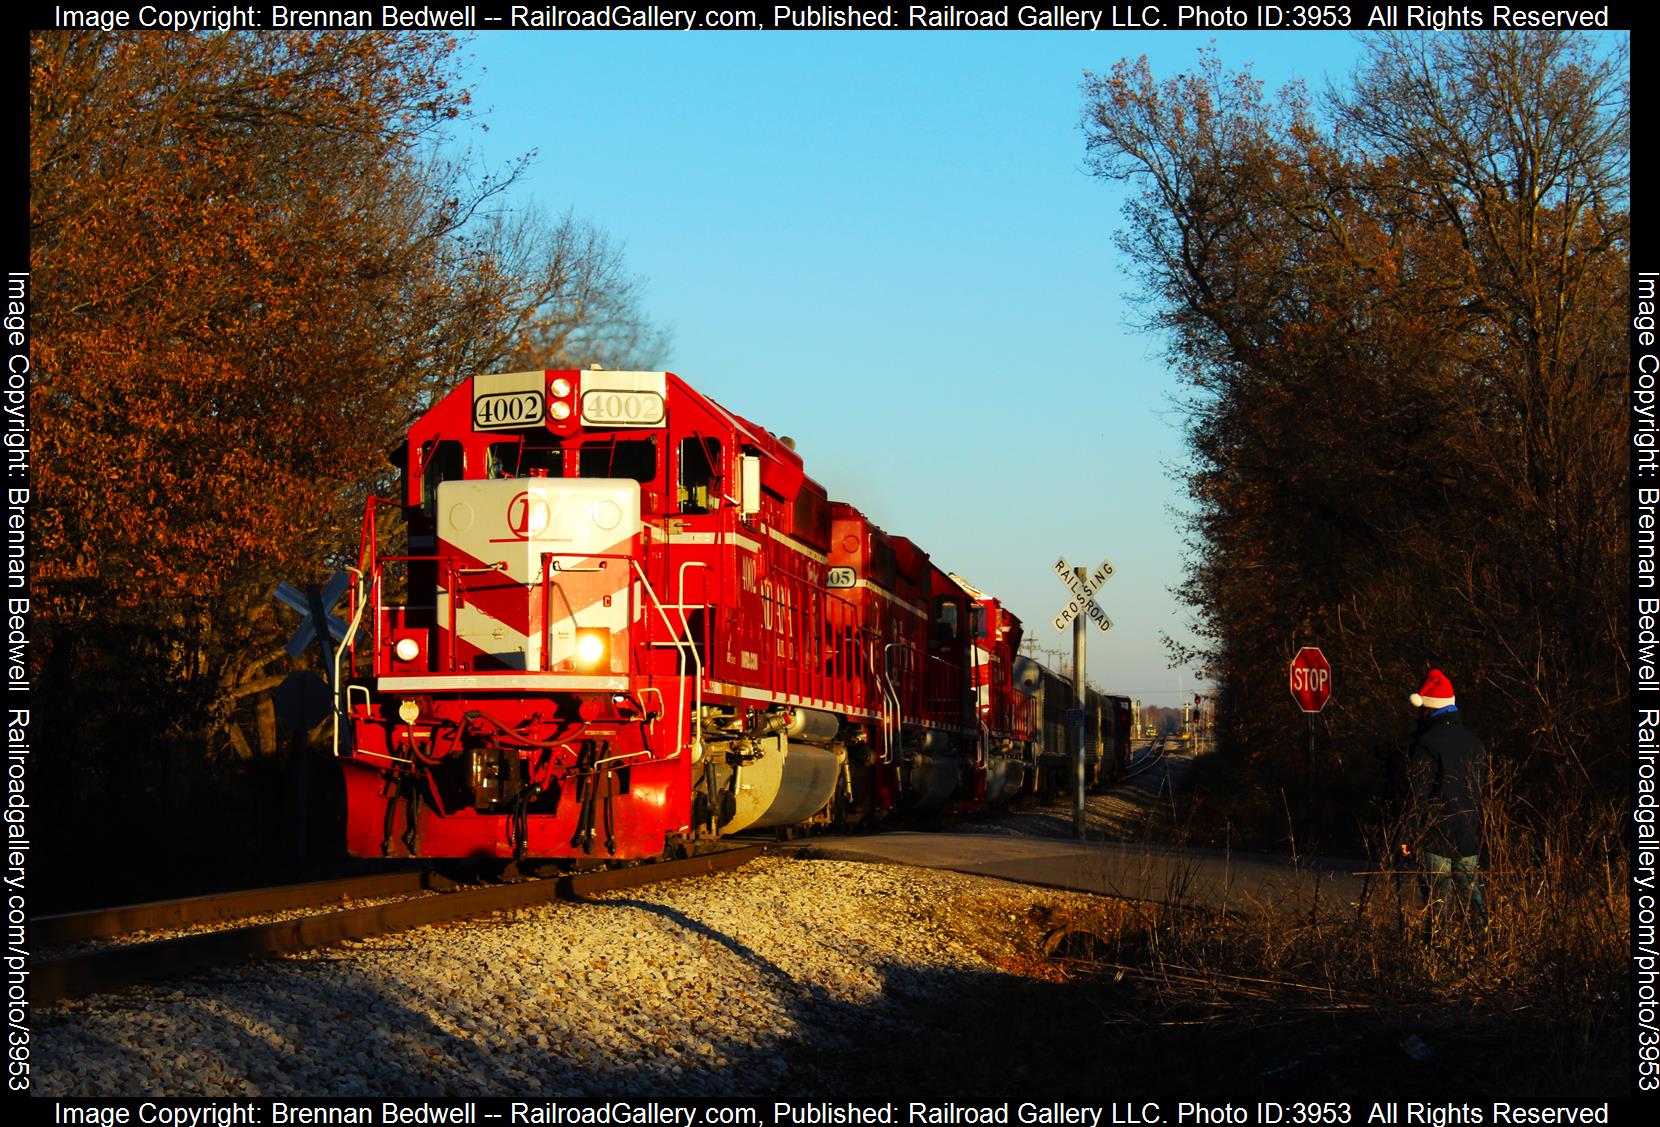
(620, 619)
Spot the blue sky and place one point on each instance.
(886, 245)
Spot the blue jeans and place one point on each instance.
(1461, 873)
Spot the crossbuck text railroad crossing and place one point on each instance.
(1083, 594)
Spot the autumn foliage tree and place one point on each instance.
(252, 263)
(1398, 314)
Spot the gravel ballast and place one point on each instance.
(788, 977)
(798, 977)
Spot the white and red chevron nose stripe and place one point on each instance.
(492, 539)
(982, 675)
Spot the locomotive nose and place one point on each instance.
(540, 570)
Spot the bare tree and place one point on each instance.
(1398, 317)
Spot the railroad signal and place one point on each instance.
(1310, 679)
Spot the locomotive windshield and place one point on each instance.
(520, 459)
(620, 457)
(599, 458)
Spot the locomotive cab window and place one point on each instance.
(977, 617)
(812, 516)
(699, 490)
(623, 457)
(516, 458)
(945, 619)
(441, 463)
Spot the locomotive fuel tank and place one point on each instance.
(772, 780)
(933, 780)
(1005, 779)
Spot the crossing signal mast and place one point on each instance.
(1082, 586)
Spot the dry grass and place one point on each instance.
(1390, 994)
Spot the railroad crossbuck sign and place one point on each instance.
(302, 601)
(1083, 594)
(1310, 679)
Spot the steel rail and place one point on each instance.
(102, 923)
(1154, 756)
(113, 968)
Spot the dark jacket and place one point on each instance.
(1449, 778)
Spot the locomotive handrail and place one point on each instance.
(446, 661)
(370, 535)
(844, 625)
(450, 582)
(547, 621)
(550, 564)
(452, 585)
(942, 693)
(346, 642)
(802, 618)
(893, 712)
(367, 558)
(598, 763)
(681, 647)
(697, 662)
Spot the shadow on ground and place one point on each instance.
(1043, 1029)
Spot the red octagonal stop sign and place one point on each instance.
(1310, 679)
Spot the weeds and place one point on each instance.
(1534, 1002)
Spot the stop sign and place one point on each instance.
(1310, 679)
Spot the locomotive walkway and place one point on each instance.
(1184, 877)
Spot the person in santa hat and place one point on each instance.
(1449, 775)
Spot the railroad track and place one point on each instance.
(1153, 755)
(113, 968)
(46, 932)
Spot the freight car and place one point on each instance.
(1107, 729)
(606, 617)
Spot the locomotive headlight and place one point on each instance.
(559, 409)
(560, 387)
(592, 648)
(407, 649)
(409, 711)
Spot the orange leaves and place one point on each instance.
(222, 349)
(249, 269)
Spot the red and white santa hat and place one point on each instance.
(1435, 692)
